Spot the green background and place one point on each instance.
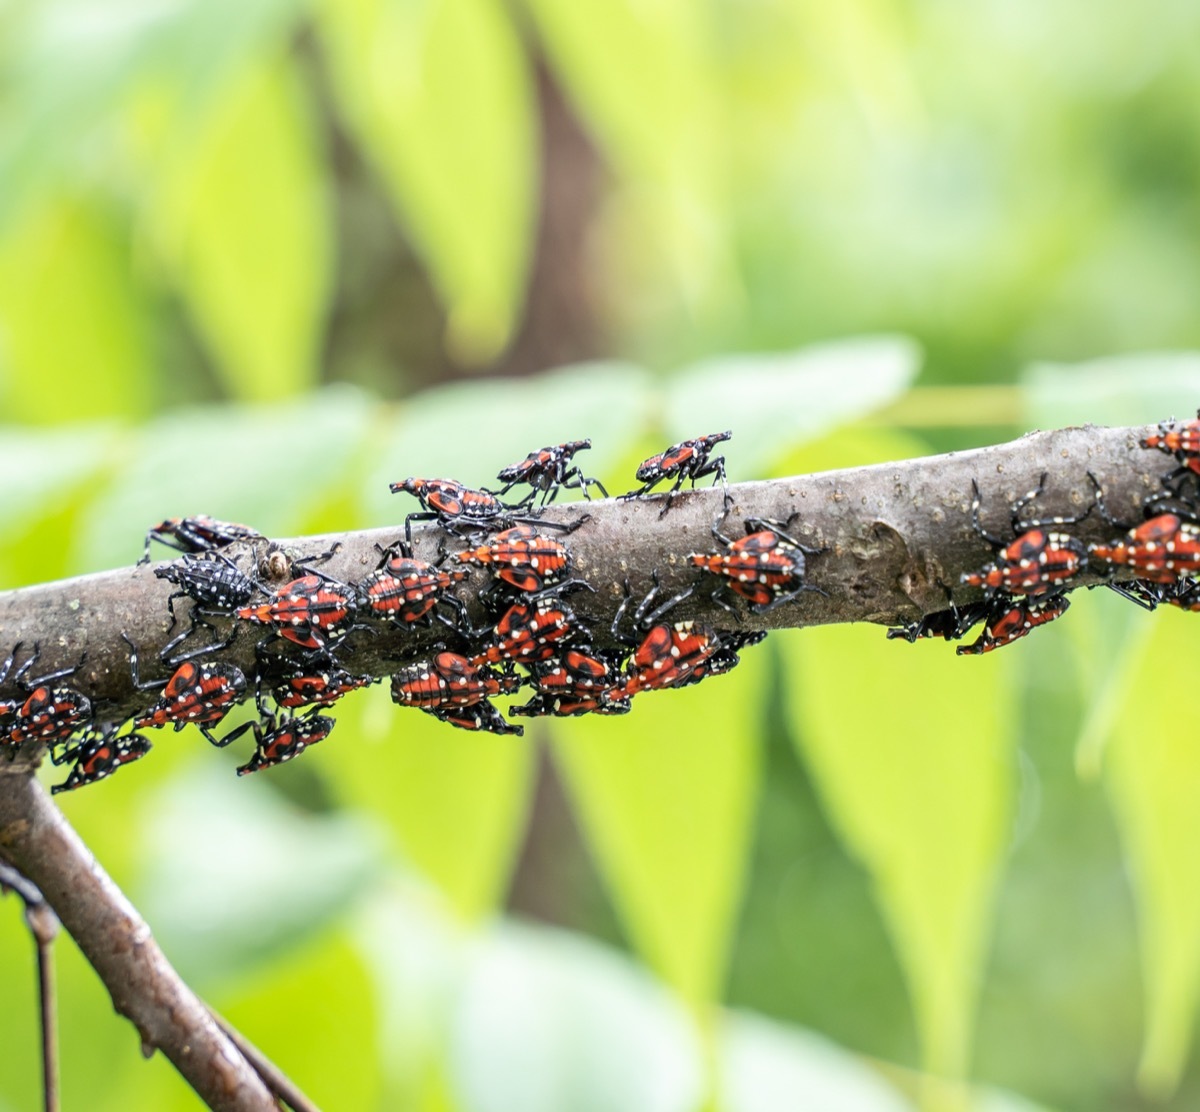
(259, 260)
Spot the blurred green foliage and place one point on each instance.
(850, 876)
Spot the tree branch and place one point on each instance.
(896, 535)
(894, 538)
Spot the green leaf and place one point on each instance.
(1132, 389)
(238, 477)
(438, 93)
(910, 748)
(547, 1021)
(922, 800)
(769, 1067)
(454, 800)
(1153, 776)
(1105, 649)
(315, 1016)
(46, 466)
(649, 111)
(996, 1100)
(418, 955)
(645, 78)
(69, 72)
(201, 44)
(666, 798)
(221, 852)
(774, 402)
(72, 327)
(241, 218)
(19, 1079)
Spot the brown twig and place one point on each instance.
(282, 1086)
(43, 925)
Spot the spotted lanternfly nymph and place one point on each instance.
(1010, 619)
(303, 687)
(407, 590)
(687, 460)
(460, 509)
(201, 693)
(766, 567)
(1160, 550)
(50, 713)
(669, 655)
(529, 631)
(197, 534)
(726, 657)
(478, 716)
(278, 741)
(449, 680)
(571, 684)
(1176, 438)
(1182, 593)
(950, 624)
(452, 505)
(1182, 440)
(672, 654)
(1037, 561)
(216, 587)
(313, 611)
(98, 757)
(547, 471)
(457, 691)
(522, 557)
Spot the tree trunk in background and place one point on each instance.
(386, 333)
(386, 325)
(554, 880)
(559, 324)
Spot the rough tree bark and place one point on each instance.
(894, 537)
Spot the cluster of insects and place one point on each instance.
(534, 632)
(1027, 584)
(529, 626)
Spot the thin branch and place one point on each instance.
(145, 989)
(273, 1077)
(43, 925)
